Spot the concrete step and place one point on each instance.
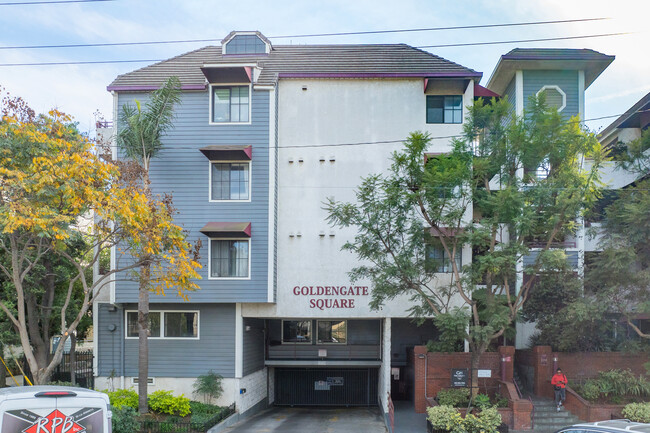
(556, 421)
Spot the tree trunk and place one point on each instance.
(73, 358)
(474, 366)
(3, 371)
(143, 340)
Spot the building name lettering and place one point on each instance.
(322, 304)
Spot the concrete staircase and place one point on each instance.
(548, 420)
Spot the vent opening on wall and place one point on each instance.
(554, 95)
(150, 381)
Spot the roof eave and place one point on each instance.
(507, 65)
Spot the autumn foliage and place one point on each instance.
(56, 189)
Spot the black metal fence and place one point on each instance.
(83, 369)
(180, 426)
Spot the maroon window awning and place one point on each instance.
(228, 75)
(482, 92)
(228, 152)
(227, 229)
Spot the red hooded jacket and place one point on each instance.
(559, 379)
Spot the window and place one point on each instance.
(132, 324)
(182, 325)
(554, 96)
(296, 331)
(229, 181)
(230, 104)
(245, 44)
(229, 258)
(438, 260)
(444, 109)
(332, 331)
(165, 324)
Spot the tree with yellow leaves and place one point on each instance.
(54, 191)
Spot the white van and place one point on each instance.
(53, 409)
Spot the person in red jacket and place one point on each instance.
(559, 382)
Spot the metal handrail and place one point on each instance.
(532, 413)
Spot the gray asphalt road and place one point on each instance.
(313, 420)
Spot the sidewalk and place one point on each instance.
(406, 420)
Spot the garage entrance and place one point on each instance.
(326, 387)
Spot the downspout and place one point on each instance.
(426, 371)
(122, 349)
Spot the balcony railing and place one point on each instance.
(298, 351)
(563, 244)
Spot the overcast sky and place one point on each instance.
(80, 90)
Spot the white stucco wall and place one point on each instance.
(337, 112)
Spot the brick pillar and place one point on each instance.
(521, 411)
(419, 361)
(507, 353)
(543, 365)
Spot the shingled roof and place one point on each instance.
(591, 62)
(293, 61)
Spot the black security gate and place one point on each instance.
(326, 387)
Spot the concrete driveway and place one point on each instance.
(313, 420)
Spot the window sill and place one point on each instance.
(229, 123)
(230, 278)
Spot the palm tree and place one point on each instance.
(139, 138)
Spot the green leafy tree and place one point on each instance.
(620, 278)
(485, 195)
(139, 137)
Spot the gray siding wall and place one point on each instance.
(182, 170)
(253, 345)
(168, 357)
(572, 258)
(108, 344)
(566, 80)
(511, 93)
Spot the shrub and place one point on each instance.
(482, 401)
(454, 397)
(502, 402)
(164, 402)
(443, 417)
(590, 390)
(124, 420)
(448, 418)
(123, 398)
(615, 384)
(209, 386)
(639, 412)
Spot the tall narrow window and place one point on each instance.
(229, 258)
(230, 181)
(439, 261)
(444, 109)
(230, 104)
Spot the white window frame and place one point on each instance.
(162, 324)
(250, 181)
(560, 91)
(332, 343)
(250, 102)
(224, 47)
(250, 254)
(311, 331)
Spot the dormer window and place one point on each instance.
(246, 44)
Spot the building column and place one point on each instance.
(384, 371)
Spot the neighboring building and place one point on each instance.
(264, 136)
(563, 75)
